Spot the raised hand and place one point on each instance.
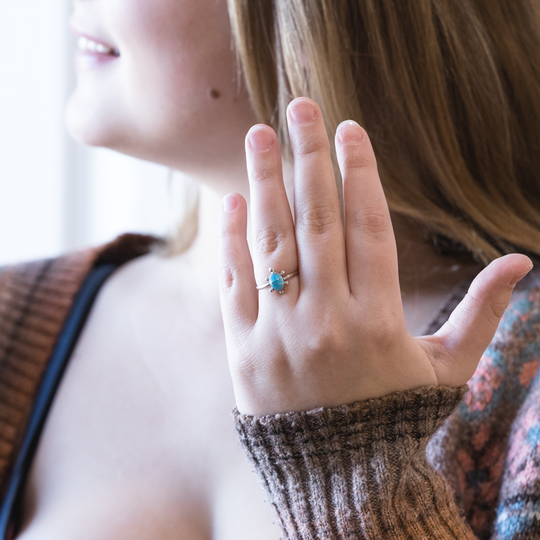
(337, 334)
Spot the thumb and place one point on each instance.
(472, 325)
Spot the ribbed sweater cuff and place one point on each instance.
(356, 471)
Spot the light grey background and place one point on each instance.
(57, 195)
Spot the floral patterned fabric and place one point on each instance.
(489, 449)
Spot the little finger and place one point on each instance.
(239, 303)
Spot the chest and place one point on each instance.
(139, 442)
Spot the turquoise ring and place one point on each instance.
(277, 281)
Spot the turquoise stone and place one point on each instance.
(276, 281)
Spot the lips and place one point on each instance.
(92, 51)
(93, 46)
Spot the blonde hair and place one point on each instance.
(448, 91)
(183, 214)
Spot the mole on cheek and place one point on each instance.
(214, 94)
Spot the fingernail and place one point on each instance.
(303, 112)
(519, 277)
(350, 132)
(260, 138)
(230, 203)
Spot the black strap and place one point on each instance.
(51, 379)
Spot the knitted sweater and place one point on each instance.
(421, 464)
(418, 464)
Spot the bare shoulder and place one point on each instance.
(144, 398)
(154, 307)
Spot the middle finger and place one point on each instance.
(319, 229)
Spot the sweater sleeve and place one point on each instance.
(357, 471)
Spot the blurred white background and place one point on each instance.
(57, 195)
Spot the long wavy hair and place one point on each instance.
(449, 92)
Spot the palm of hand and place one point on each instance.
(338, 334)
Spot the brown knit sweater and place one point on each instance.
(357, 471)
(421, 464)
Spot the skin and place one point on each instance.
(152, 357)
(348, 288)
(155, 101)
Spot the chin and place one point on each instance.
(93, 130)
(87, 127)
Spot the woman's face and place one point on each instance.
(172, 95)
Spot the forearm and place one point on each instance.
(357, 471)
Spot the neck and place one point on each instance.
(202, 255)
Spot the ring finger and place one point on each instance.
(274, 244)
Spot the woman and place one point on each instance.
(128, 447)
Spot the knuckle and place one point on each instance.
(228, 276)
(384, 333)
(228, 229)
(307, 146)
(497, 310)
(355, 160)
(319, 219)
(269, 239)
(326, 344)
(487, 317)
(490, 310)
(262, 173)
(374, 222)
(383, 324)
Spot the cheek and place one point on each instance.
(174, 91)
(179, 70)
(173, 51)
